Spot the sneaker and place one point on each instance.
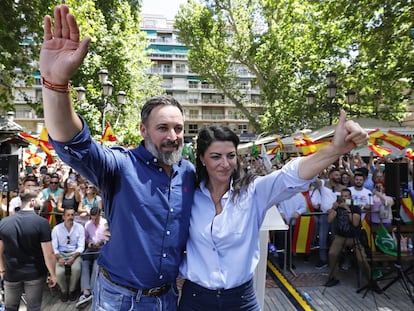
(321, 264)
(64, 296)
(332, 282)
(84, 299)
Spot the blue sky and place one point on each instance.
(167, 8)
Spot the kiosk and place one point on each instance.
(272, 221)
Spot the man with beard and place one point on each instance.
(147, 192)
(68, 239)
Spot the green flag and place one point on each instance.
(385, 242)
(255, 151)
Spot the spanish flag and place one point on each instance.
(108, 134)
(407, 210)
(367, 227)
(304, 227)
(398, 140)
(42, 142)
(307, 145)
(379, 150)
(375, 136)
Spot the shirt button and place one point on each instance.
(147, 163)
(161, 277)
(214, 249)
(168, 232)
(66, 148)
(171, 210)
(164, 255)
(160, 169)
(155, 160)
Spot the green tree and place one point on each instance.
(290, 46)
(118, 47)
(20, 35)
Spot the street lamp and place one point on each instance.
(350, 98)
(107, 88)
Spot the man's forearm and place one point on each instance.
(61, 120)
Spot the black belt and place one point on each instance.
(155, 291)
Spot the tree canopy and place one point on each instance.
(290, 46)
(117, 45)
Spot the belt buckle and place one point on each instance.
(154, 291)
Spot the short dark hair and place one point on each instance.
(156, 101)
(32, 179)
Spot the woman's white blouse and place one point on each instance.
(223, 250)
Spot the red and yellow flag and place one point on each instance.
(398, 140)
(367, 227)
(307, 145)
(41, 142)
(375, 136)
(108, 134)
(379, 150)
(304, 227)
(407, 210)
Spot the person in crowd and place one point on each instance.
(228, 210)
(68, 239)
(45, 180)
(26, 253)
(148, 191)
(70, 196)
(381, 212)
(347, 227)
(360, 195)
(95, 239)
(50, 196)
(329, 190)
(346, 180)
(90, 200)
(289, 210)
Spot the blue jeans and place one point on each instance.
(33, 293)
(197, 298)
(87, 276)
(111, 297)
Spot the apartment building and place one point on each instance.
(25, 115)
(203, 103)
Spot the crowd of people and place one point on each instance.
(345, 193)
(166, 217)
(71, 209)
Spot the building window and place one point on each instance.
(193, 84)
(180, 68)
(192, 129)
(242, 128)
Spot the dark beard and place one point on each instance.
(168, 158)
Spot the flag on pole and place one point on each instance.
(108, 134)
(366, 225)
(304, 227)
(379, 150)
(255, 151)
(41, 142)
(265, 158)
(307, 145)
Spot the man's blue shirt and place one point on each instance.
(148, 212)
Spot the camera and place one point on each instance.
(348, 201)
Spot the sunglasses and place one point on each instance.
(68, 239)
(54, 182)
(90, 187)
